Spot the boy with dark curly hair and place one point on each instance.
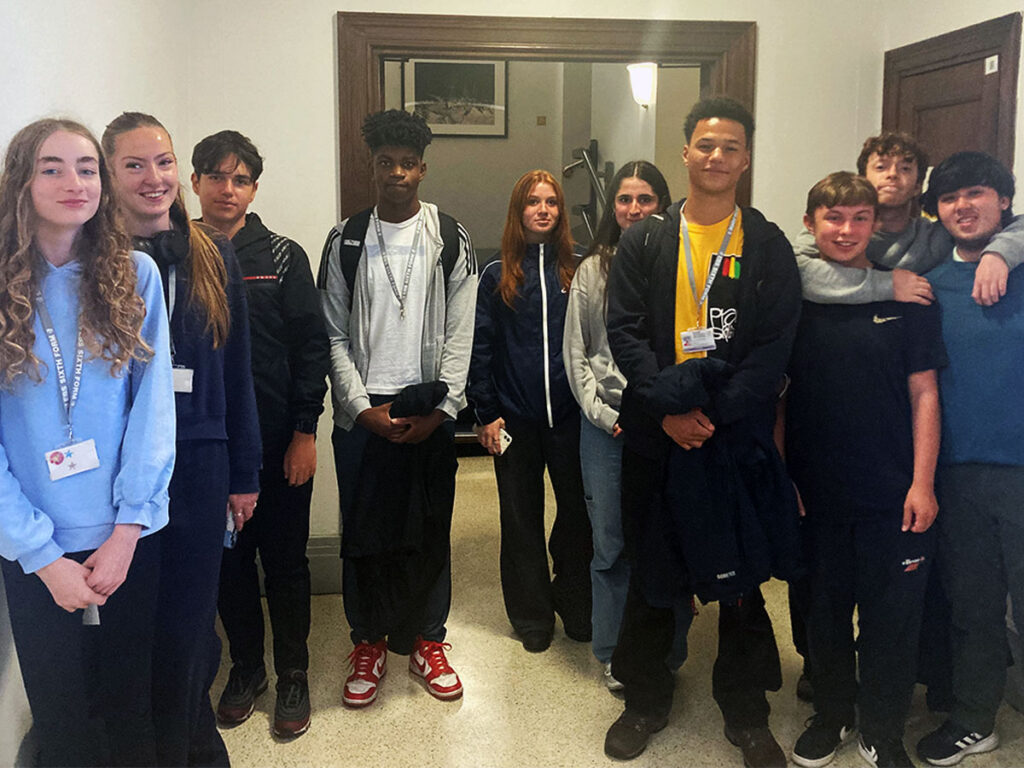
(398, 283)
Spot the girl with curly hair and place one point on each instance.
(86, 448)
(218, 438)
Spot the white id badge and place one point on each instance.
(72, 460)
(698, 340)
(183, 379)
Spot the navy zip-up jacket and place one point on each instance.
(222, 404)
(291, 355)
(511, 374)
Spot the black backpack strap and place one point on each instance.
(450, 238)
(352, 237)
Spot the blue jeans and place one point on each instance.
(601, 463)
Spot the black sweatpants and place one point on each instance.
(873, 565)
(982, 548)
(88, 686)
(531, 596)
(747, 665)
(431, 618)
(186, 652)
(279, 529)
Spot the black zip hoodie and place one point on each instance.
(290, 351)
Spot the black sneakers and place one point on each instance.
(628, 736)
(291, 713)
(817, 745)
(884, 753)
(950, 744)
(239, 697)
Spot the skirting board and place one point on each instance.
(324, 564)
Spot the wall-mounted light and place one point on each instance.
(643, 79)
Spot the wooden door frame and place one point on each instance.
(997, 36)
(725, 51)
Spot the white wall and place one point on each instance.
(678, 90)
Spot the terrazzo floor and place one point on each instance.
(522, 709)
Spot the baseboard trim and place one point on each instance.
(324, 564)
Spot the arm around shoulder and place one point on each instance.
(826, 283)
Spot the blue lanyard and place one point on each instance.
(684, 233)
(68, 394)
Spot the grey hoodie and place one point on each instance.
(595, 380)
(447, 324)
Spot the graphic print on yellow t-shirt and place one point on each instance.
(705, 239)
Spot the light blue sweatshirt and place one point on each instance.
(130, 417)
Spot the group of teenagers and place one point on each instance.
(712, 411)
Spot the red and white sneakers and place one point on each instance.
(429, 662)
(369, 664)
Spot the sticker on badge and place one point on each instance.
(698, 340)
(72, 460)
(183, 379)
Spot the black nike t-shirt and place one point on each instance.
(849, 438)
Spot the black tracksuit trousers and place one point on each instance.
(871, 564)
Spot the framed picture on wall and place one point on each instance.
(457, 98)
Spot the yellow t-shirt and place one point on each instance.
(705, 240)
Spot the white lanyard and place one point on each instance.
(684, 233)
(172, 296)
(408, 269)
(68, 395)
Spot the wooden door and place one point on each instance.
(957, 91)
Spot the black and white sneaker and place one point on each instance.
(884, 753)
(818, 744)
(950, 744)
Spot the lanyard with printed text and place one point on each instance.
(684, 233)
(172, 296)
(68, 394)
(408, 269)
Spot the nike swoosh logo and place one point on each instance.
(879, 320)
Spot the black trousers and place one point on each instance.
(981, 530)
(531, 596)
(869, 563)
(89, 686)
(187, 650)
(747, 665)
(279, 530)
(431, 620)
